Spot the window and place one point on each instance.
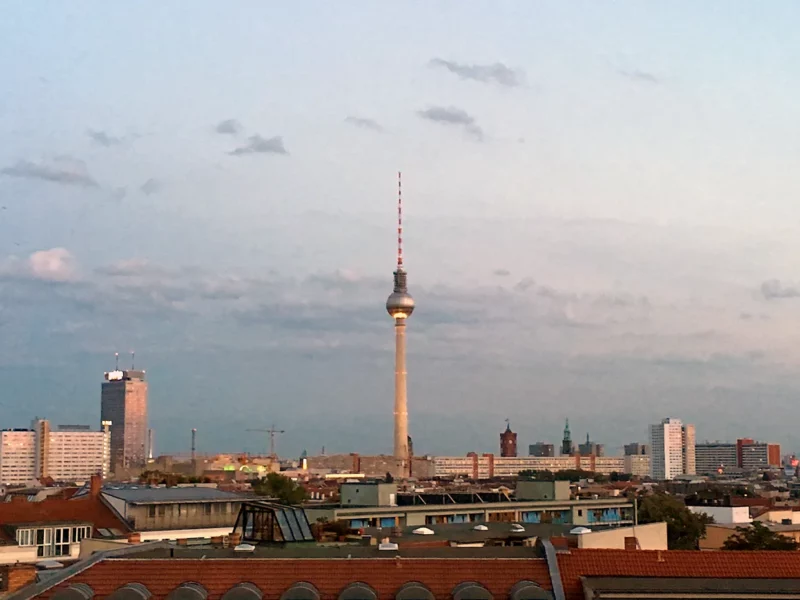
(61, 547)
(162, 510)
(44, 541)
(25, 537)
(151, 511)
(207, 509)
(580, 512)
(81, 533)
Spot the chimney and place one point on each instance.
(235, 538)
(95, 485)
(183, 542)
(631, 543)
(216, 540)
(134, 538)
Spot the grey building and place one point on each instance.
(541, 449)
(636, 448)
(712, 456)
(123, 402)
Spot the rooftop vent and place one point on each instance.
(517, 528)
(244, 548)
(579, 530)
(388, 546)
(422, 531)
(480, 528)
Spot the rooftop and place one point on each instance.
(169, 495)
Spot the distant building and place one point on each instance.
(508, 442)
(637, 465)
(487, 466)
(672, 449)
(69, 454)
(124, 403)
(566, 443)
(754, 456)
(591, 448)
(635, 448)
(711, 457)
(541, 449)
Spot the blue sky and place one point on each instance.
(600, 200)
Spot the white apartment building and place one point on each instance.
(69, 453)
(672, 449)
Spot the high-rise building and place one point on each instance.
(635, 448)
(566, 443)
(672, 449)
(508, 442)
(689, 458)
(124, 403)
(755, 456)
(400, 305)
(541, 449)
(591, 448)
(711, 457)
(69, 454)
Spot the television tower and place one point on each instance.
(400, 305)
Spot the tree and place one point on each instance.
(758, 536)
(279, 487)
(684, 528)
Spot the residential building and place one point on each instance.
(508, 442)
(541, 449)
(724, 514)
(757, 456)
(71, 453)
(387, 572)
(712, 457)
(487, 466)
(637, 465)
(123, 402)
(672, 449)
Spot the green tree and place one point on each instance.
(684, 528)
(758, 536)
(280, 488)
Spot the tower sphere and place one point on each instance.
(400, 305)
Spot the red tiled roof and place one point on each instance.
(673, 563)
(330, 576)
(52, 510)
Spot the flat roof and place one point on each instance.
(171, 495)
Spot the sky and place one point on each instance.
(600, 213)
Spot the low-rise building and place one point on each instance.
(487, 466)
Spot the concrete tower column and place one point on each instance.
(400, 399)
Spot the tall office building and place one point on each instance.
(591, 448)
(541, 449)
(672, 449)
(635, 448)
(124, 403)
(72, 453)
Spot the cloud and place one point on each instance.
(640, 76)
(773, 289)
(228, 127)
(495, 73)
(62, 170)
(450, 115)
(151, 186)
(364, 123)
(501, 272)
(259, 145)
(104, 139)
(56, 264)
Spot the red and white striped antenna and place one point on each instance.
(399, 220)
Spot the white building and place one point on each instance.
(672, 449)
(70, 453)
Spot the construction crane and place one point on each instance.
(271, 431)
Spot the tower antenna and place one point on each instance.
(399, 220)
(116, 361)
(133, 360)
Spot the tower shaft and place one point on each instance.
(400, 400)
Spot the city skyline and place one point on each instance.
(604, 224)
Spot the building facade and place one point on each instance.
(591, 448)
(124, 403)
(711, 457)
(487, 466)
(636, 448)
(67, 454)
(672, 449)
(756, 456)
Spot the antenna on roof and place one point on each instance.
(133, 360)
(399, 220)
(116, 361)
